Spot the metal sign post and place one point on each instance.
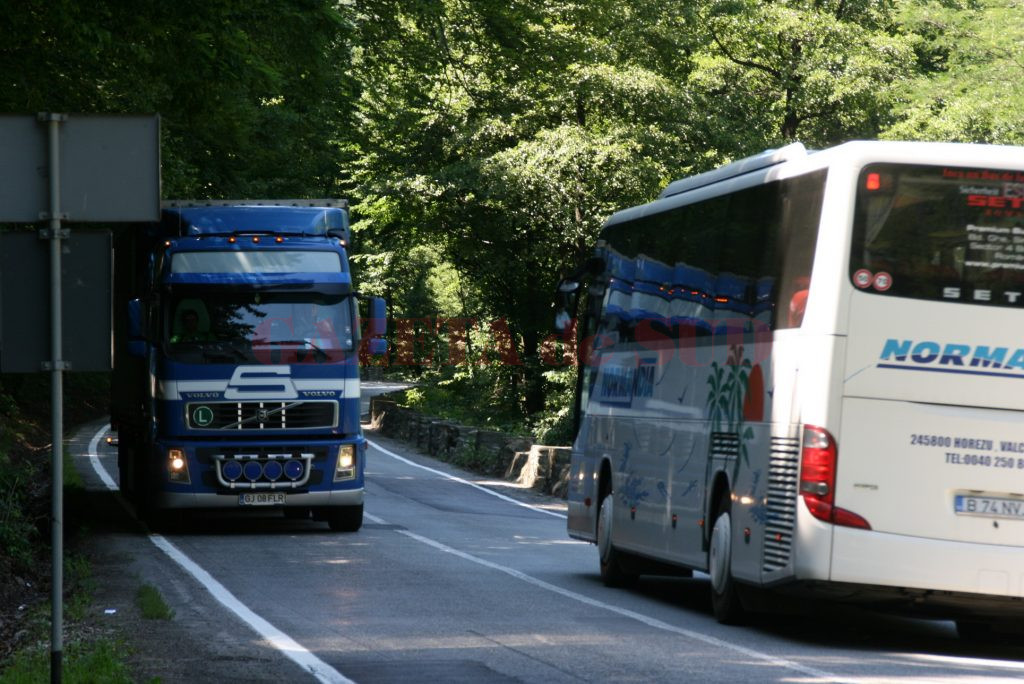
(57, 404)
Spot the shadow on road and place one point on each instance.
(824, 624)
(104, 511)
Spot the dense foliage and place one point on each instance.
(483, 142)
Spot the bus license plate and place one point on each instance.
(989, 506)
(261, 499)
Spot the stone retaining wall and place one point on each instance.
(545, 468)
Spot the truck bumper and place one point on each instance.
(342, 497)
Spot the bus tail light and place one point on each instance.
(818, 459)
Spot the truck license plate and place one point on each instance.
(989, 506)
(261, 499)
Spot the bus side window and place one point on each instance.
(795, 236)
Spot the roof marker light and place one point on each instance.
(256, 239)
(279, 239)
(232, 240)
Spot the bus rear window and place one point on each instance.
(940, 233)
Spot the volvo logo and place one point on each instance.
(261, 382)
(262, 415)
(202, 416)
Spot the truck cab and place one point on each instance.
(236, 380)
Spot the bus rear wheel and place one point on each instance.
(982, 631)
(612, 572)
(725, 597)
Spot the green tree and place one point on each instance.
(508, 131)
(251, 93)
(818, 71)
(972, 84)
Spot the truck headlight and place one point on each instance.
(177, 466)
(345, 469)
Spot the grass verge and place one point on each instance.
(152, 604)
(87, 656)
(90, 654)
(86, 662)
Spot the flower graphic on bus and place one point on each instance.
(632, 492)
(727, 387)
(735, 395)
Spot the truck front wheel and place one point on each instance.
(345, 518)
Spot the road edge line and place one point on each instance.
(464, 481)
(275, 637)
(633, 615)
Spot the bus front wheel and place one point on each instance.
(612, 572)
(725, 599)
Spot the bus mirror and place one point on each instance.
(568, 286)
(567, 295)
(562, 320)
(595, 301)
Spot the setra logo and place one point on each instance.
(261, 382)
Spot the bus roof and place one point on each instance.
(736, 168)
(852, 152)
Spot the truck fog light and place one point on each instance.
(231, 470)
(177, 466)
(346, 466)
(252, 470)
(272, 470)
(294, 469)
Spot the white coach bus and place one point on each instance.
(805, 372)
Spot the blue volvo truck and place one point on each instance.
(237, 344)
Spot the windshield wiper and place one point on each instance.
(309, 343)
(227, 353)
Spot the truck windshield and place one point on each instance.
(201, 326)
(941, 233)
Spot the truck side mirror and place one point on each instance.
(377, 346)
(377, 327)
(378, 324)
(136, 334)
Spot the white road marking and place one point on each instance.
(275, 637)
(639, 617)
(95, 459)
(463, 481)
(961, 660)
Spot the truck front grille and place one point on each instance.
(261, 415)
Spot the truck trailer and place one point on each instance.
(237, 343)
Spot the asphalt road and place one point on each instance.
(447, 582)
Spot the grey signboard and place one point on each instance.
(109, 168)
(24, 301)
